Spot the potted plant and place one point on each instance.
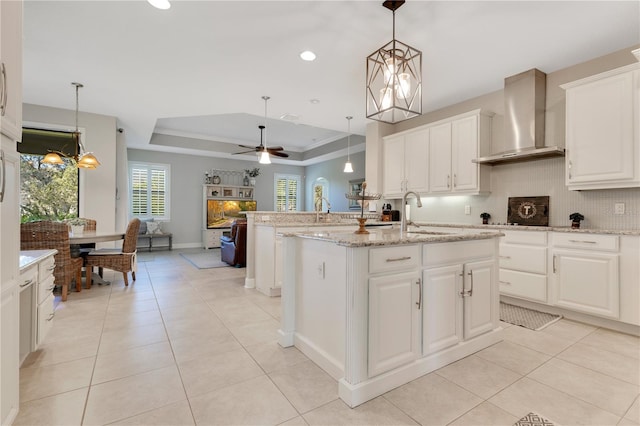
(77, 225)
(575, 220)
(253, 173)
(485, 217)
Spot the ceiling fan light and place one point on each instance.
(160, 4)
(348, 167)
(88, 161)
(52, 158)
(264, 158)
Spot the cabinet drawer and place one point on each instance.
(393, 258)
(538, 238)
(45, 318)
(585, 241)
(45, 288)
(46, 267)
(458, 252)
(28, 277)
(523, 258)
(523, 284)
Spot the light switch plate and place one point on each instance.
(467, 209)
(618, 208)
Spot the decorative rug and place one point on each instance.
(206, 259)
(528, 318)
(533, 419)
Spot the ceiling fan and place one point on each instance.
(273, 150)
(262, 148)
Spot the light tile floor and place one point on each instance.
(183, 346)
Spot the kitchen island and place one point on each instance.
(378, 310)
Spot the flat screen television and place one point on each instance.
(221, 213)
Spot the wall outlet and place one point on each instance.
(618, 208)
(467, 209)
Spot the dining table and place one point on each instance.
(88, 237)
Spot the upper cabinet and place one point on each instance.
(11, 69)
(406, 157)
(603, 130)
(455, 143)
(436, 159)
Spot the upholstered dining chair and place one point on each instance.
(121, 260)
(54, 235)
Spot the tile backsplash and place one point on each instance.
(535, 178)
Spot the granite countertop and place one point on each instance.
(388, 237)
(534, 228)
(31, 257)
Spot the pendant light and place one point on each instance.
(394, 78)
(348, 167)
(264, 154)
(83, 159)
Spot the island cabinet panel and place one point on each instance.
(442, 317)
(477, 294)
(394, 321)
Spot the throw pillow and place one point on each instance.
(153, 228)
(143, 227)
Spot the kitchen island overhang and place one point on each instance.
(376, 311)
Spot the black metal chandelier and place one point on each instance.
(394, 78)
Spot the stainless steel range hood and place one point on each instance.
(524, 112)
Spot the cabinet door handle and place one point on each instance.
(583, 241)
(53, 314)
(419, 302)
(554, 264)
(3, 95)
(455, 180)
(2, 175)
(470, 273)
(448, 181)
(26, 283)
(51, 288)
(505, 257)
(397, 259)
(505, 282)
(570, 165)
(51, 268)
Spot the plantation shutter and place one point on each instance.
(149, 186)
(140, 185)
(286, 193)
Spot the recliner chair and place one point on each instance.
(233, 248)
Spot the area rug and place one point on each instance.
(528, 318)
(533, 419)
(205, 260)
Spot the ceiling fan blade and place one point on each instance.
(275, 148)
(255, 148)
(243, 152)
(279, 154)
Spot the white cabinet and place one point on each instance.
(523, 265)
(586, 273)
(11, 69)
(406, 159)
(603, 130)
(454, 144)
(211, 237)
(394, 321)
(458, 293)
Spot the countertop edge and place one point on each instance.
(29, 258)
(534, 228)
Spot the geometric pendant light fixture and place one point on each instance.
(348, 167)
(394, 78)
(82, 159)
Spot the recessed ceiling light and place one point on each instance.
(160, 4)
(314, 101)
(308, 55)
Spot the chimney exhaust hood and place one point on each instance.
(524, 116)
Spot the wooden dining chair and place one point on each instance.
(44, 235)
(121, 260)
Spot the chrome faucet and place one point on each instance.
(319, 207)
(403, 221)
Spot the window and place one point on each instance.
(47, 192)
(149, 190)
(287, 197)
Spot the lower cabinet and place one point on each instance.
(211, 237)
(457, 304)
(9, 362)
(394, 321)
(587, 282)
